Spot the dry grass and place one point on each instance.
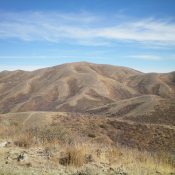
(24, 137)
(132, 161)
(74, 155)
(56, 143)
(24, 140)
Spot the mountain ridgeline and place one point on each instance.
(80, 87)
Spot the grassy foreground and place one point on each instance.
(54, 150)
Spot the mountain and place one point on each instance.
(79, 87)
(148, 109)
(103, 103)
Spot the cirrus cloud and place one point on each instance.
(85, 29)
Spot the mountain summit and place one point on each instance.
(78, 87)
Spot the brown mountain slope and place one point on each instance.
(150, 109)
(93, 129)
(78, 87)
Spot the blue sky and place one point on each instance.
(135, 33)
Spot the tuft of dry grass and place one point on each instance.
(24, 140)
(74, 155)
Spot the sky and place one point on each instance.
(139, 34)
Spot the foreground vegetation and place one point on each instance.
(55, 150)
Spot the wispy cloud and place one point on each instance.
(85, 28)
(151, 57)
(19, 67)
(146, 57)
(154, 69)
(42, 57)
(23, 57)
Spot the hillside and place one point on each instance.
(150, 109)
(77, 87)
(87, 119)
(94, 129)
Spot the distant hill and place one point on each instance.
(79, 87)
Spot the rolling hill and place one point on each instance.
(108, 108)
(79, 87)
